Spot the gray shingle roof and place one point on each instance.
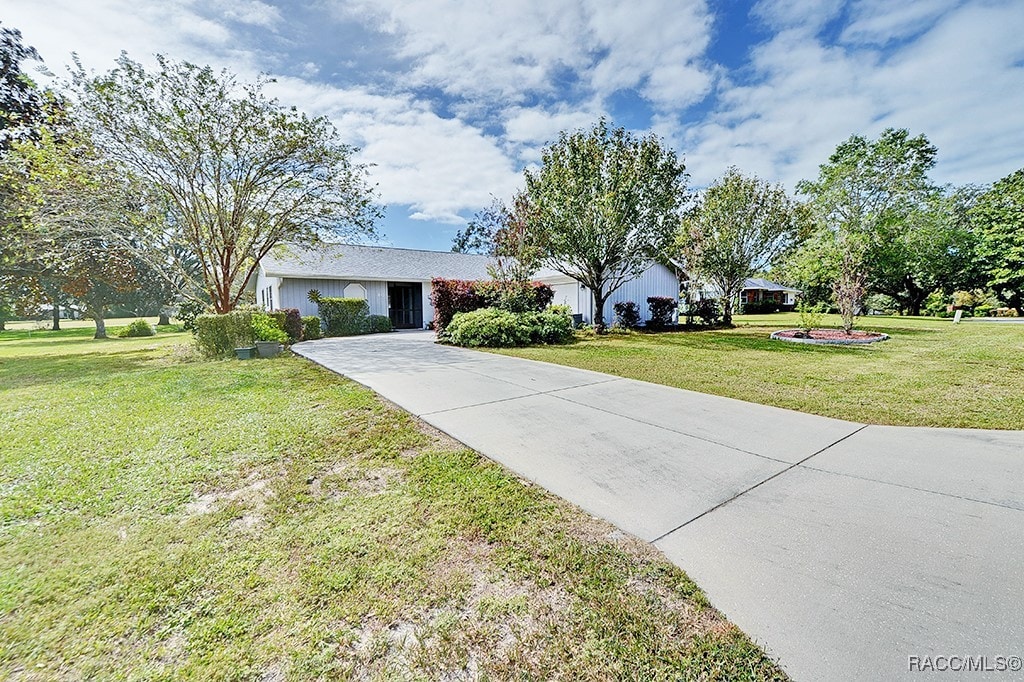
(348, 261)
(766, 284)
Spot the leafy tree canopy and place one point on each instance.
(603, 205)
(236, 172)
(999, 218)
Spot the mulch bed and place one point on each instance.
(830, 336)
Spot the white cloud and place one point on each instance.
(960, 83)
(251, 12)
(809, 15)
(878, 22)
(512, 50)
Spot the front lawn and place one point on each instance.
(164, 517)
(930, 373)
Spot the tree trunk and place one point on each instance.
(101, 326)
(727, 310)
(164, 319)
(599, 301)
(56, 315)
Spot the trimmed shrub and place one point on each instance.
(290, 320)
(661, 308)
(189, 311)
(497, 328)
(344, 316)
(265, 328)
(490, 327)
(709, 311)
(220, 335)
(627, 314)
(137, 328)
(379, 324)
(311, 328)
(552, 325)
(452, 296)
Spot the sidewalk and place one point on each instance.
(844, 549)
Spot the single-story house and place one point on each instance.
(396, 282)
(757, 290)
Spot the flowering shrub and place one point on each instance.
(452, 296)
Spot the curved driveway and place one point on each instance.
(850, 552)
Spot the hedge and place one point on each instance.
(379, 324)
(344, 316)
(311, 327)
(627, 315)
(452, 296)
(290, 322)
(220, 335)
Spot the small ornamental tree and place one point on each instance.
(603, 205)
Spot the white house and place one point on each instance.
(396, 282)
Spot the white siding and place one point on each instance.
(658, 280)
(294, 293)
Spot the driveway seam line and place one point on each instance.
(505, 400)
(670, 430)
(914, 488)
(757, 485)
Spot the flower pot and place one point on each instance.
(247, 353)
(268, 349)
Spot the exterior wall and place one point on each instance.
(267, 290)
(294, 293)
(658, 280)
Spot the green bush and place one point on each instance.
(188, 311)
(627, 315)
(344, 316)
(292, 324)
(488, 327)
(265, 328)
(137, 328)
(311, 328)
(219, 335)
(379, 324)
(497, 328)
(760, 308)
(708, 310)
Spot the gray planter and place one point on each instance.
(247, 353)
(268, 349)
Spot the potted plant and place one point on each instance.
(269, 336)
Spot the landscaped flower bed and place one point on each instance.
(834, 337)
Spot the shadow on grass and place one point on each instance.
(39, 370)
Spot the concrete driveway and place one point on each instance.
(850, 552)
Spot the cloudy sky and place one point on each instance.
(451, 99)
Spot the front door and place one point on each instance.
(405, 305)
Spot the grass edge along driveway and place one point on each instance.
(929, 373)
(164, 517)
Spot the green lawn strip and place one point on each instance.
(929, 373)
(163, 517)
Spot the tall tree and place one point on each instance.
(932, 248)
(239, 172)
(21, 102)
(739, 226)
(866, 186)
(603, 205)
(75, 222)
(999, 217)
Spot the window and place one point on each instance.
(355, 290)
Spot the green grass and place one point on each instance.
(930, 373)
(164, 517)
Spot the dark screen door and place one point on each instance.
(405, 305)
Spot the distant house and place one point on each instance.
(396, 282)
(766, 291)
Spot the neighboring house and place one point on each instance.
(765, 291)
(396, 282)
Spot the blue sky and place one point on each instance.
(450, 100)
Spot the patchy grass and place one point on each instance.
(163, 517)
(930, 373)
